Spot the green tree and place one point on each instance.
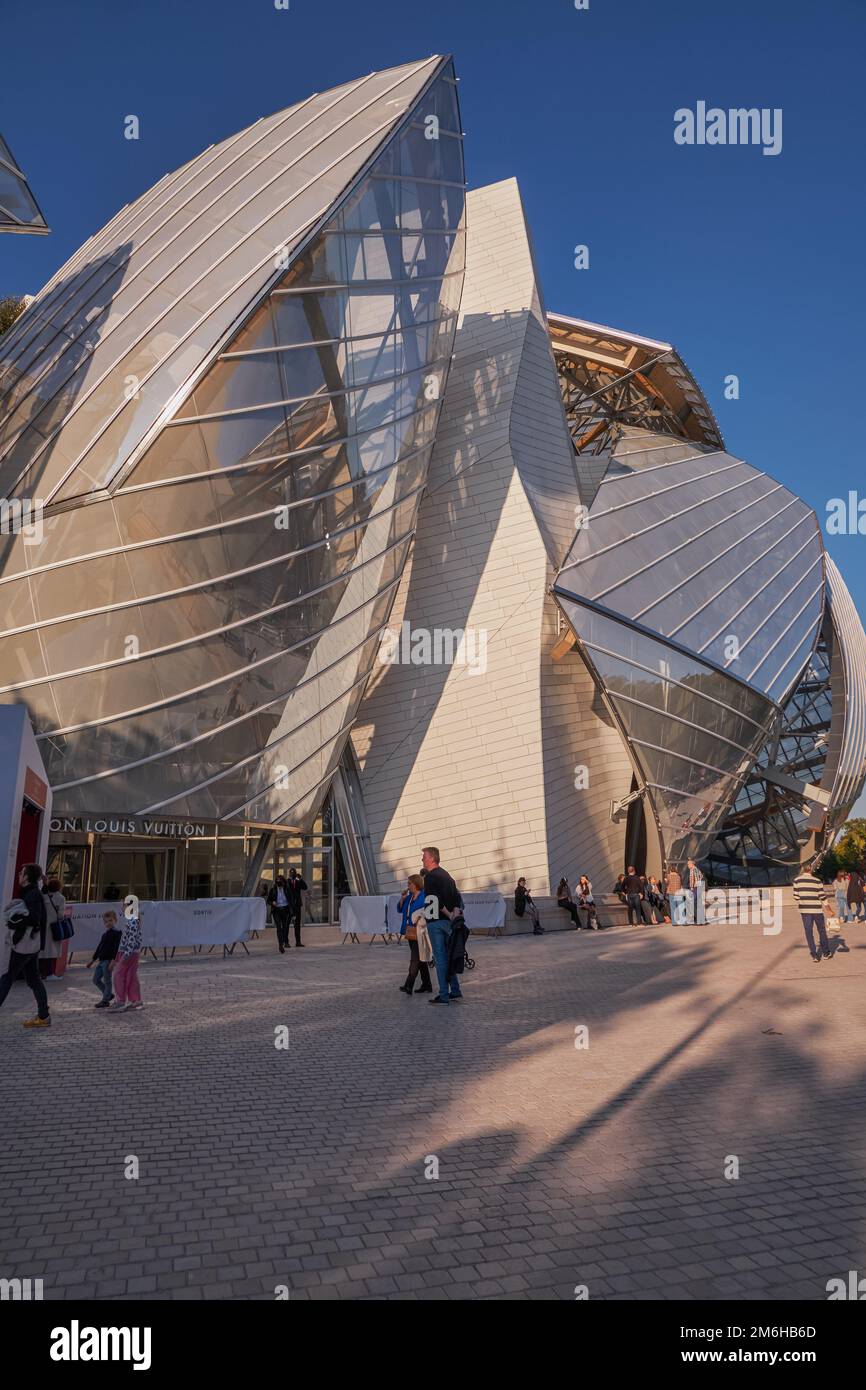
(10, 307)
(850, 848)
(828, 867)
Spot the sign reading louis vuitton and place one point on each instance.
(133, 825)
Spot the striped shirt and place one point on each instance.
(809, 892)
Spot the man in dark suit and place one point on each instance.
(297, 886)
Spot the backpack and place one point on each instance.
(26, 937)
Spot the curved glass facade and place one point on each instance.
(199, 640)
(707, 552)
(692, 731)
(225, 405)
(98, 361)
(722, 637)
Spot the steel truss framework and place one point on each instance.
(600, 400)
(611, 380)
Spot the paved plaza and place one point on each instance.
(313, 1166)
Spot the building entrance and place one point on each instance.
(313, 863)
(145, 871)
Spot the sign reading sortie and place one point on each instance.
(132, 825)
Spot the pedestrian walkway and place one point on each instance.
(314, 1166)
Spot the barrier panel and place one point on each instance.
(378, 915)
(202, 922)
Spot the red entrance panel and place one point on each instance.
(28, 837)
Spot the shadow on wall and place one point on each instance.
(467, 481)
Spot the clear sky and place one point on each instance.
(750, 264)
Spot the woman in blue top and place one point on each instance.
(411, 902)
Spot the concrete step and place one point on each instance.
(611, 913)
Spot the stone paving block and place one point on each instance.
(541, 1186)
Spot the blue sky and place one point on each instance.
(750, 264)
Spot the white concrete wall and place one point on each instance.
(483, 765)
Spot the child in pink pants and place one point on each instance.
(124, 977)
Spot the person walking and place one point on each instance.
(524, 906)
(125, 973)
(856, 897)
(104, 957)
(697, 884)
(809, 896)
(840, 890)
(634, 896)
(27, 919)
(442, 901)
(410, 904)
(587, 902)
(676, 896)
(280, 905)
(55, 906)
(566, 902)
(297, 887)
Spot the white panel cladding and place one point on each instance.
(483, 764)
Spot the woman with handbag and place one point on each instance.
(55, 909)
(410, 905)
(25, 918)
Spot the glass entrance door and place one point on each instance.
(69, 864)
(314, 866)
(144, 872)
(317, 873)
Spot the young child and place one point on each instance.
(103, 958)
(126, 966)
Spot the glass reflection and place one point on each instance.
(319, 404)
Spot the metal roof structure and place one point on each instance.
(611, 378)
(19, 211)
(113, 344)
(705, 552)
